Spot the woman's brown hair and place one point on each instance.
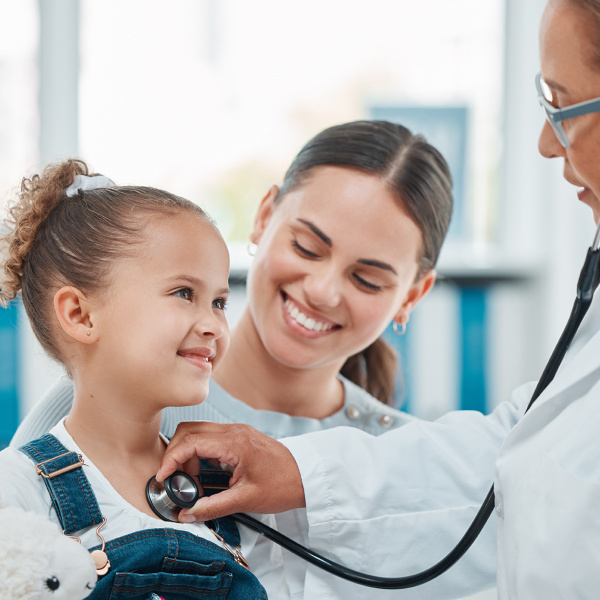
(417, 176)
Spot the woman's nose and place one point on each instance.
(548, 144)
(323, 287)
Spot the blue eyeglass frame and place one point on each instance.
(556, 116)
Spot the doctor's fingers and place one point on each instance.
(269, 484)
(234, 500)
(193, 440)
(265, 476)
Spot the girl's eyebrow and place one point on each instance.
(363, 261)
(317, 231)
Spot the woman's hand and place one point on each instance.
(265, 476)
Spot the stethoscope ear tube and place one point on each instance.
(588, 282)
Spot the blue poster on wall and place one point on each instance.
(9, 353)
(445, 127)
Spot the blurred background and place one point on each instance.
(211, 99)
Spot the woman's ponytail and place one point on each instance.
(374, 369)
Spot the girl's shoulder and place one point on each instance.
(22, 486)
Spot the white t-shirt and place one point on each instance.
(26, 489)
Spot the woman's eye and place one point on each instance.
(185, 293)
(303, 250)
(366, 284)
(220, 303)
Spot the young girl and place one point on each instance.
(126, 286)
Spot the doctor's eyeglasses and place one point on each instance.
(557, 115)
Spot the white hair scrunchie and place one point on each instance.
(88, 182)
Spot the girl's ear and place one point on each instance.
(415, 294)
(265, 210)
(72, 309)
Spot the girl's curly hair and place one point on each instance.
(50, 239)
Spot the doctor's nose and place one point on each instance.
(548, 144)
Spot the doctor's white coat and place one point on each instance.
(396, 504)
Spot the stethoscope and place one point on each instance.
(180, 490)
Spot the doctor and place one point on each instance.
(547, 479)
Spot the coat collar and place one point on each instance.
(584, 361)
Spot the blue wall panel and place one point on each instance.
(473, 348)
(9, 355)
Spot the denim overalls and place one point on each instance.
(172, 564)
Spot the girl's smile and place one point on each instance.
(199, 357)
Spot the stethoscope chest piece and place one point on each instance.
(166, 500)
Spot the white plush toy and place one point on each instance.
(37, 562)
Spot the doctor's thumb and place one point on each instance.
(212, 507)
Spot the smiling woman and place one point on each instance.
(352, 275)
(345, 245)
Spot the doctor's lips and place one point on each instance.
(581, 192)
(200, 357)
(310, 323)
(570, 178)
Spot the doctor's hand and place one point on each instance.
(265, 477)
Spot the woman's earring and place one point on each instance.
(399, 329)
(251, 247)
(89, 333)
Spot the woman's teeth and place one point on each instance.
(302, 319)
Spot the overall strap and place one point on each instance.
(214, 480)
(72, 496)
